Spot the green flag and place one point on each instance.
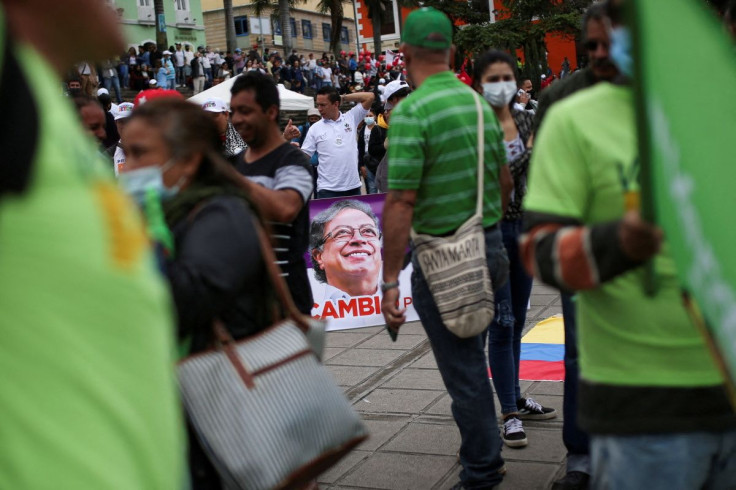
(685, 73)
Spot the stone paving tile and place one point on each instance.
(346, 338)
(343, 466)
(425, 362)
(383, 341)
(417, 379)
(441, 407)
(542, 299)
(426, 439)
(527, 475)
(395, 471)
(545, 446)
(342, 487)
(371, 330)
(396, 401)
(548, 388)
(540, 287)
(382, 430)
(366, 357)
(519, 476)
(412, 328)
(331, 352)
(348, 376)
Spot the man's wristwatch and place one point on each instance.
(385, 286)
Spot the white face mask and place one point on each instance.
(498, 94)
(139, 182)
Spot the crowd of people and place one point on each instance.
(107, 288)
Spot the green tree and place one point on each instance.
(524, 28)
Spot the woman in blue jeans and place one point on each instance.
(495, 79)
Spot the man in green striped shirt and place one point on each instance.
(433, 188)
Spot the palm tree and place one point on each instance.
(285, 21)
(282, 11)
(337, 14)
(376, 11)
(229, 25)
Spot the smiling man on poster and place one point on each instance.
(345, 245)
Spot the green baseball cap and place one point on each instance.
(427, 28)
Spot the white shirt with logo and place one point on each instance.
(118, 160)
(337, 145)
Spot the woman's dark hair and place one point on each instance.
(188, 129)
(490, 58)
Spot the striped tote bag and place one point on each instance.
(266, 411)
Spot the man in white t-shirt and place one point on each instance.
(207, 66)
(179, 61)
(115, 152)
(334, 139)
(311, 65)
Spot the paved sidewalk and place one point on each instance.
(398, 390)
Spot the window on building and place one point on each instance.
(344, 35)
(292, 21)
(145, 3)
(241, 25)
(307, 29)
(276, 27)
(181, 4)
(388, 22)
(326, 32)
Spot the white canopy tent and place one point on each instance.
(290, 101)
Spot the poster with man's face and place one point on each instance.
(346, 260)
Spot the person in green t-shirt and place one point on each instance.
(433, 184)
(650, 394)
(89, 396)
(599, 69)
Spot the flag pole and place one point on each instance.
(646, 184)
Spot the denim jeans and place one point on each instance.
(575, 439)
(504, 333)
(462, 364)
(324, 193)
(123, 75)
(111, 83)
(679, 461)
(370, 182)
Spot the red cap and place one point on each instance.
(151, 94)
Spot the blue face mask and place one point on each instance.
(137, 183)
(620, 51)
(370, 121)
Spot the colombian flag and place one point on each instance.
(543, 351)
